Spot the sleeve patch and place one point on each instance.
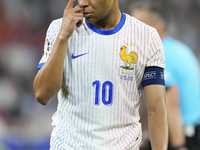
(153, 75)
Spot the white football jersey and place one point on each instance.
(103, 70)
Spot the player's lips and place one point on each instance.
(86, 15)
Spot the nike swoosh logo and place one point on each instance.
(74, 57)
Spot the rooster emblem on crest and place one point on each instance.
(128, 59)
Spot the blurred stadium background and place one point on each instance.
(24, 123)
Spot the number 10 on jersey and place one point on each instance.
(106, 90)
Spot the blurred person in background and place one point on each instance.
(20, 126)
(182, 77)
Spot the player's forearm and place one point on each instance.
(158, 128)
(48, 81)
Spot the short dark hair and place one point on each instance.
(157, 8)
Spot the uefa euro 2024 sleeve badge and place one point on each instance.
(46, 47)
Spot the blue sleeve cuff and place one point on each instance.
(40, 66)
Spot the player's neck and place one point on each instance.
(110, 21)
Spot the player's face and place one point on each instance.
(97, 10)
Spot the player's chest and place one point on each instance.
(106, 54)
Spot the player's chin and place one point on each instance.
(90, 19)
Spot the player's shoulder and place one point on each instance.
(137, 24)
(55, 24)
(58, 21)
(54, 27)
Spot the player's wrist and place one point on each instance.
(63, 36)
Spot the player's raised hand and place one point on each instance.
(72, 17)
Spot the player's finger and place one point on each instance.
(79, 20)
(70, 4)
(78, 9)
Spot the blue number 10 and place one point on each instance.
(107, 92)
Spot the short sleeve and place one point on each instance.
(156, 55)
(50, 39)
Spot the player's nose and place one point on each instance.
(83, 3)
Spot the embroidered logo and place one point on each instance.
(131, 58)
(74, 57)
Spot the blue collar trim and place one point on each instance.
(108, 32)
